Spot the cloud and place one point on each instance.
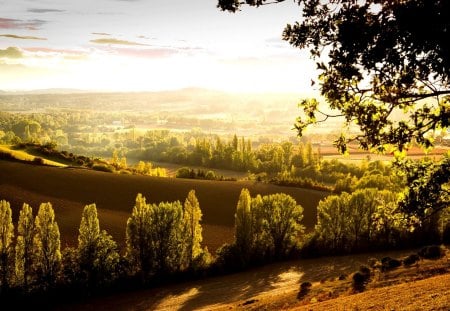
(22, 37)
(101, 33)
(146, 53)
(9, 23)
(44, 10)
(11, 52)
(65, 53)
(115, 41)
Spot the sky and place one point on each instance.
(149, 45)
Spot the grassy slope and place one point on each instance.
(25, 156)
(70, 189)
(276, 287)
(428, 294)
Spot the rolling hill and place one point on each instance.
(69, 190)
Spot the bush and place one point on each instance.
(372, 262)
(102, 168)
(359, 281)
(210, 175)
(183, 172)
(365, 271)
(410, 260)
(38, 161)
(305, 286)
(431, 252)
(304, 289)
(388, 263)
(6, 156)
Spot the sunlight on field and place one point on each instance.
(24, 156)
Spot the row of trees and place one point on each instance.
(266, 228)
(165, 239)
(235, 154)
(160, 239)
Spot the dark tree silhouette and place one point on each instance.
(384, 65)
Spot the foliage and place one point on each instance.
(383, 71)
(244, 225)
(24, 247)
(46, 246)
(428, 188)
(281, 217)
(6, 244)
(97, 251)
(138, 237)
(361, 220)
(266, 228)
(375, 59)
(192, 229)
(166, 236)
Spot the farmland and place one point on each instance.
(69, 190)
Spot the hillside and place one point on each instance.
(276, 287)
(70, 189)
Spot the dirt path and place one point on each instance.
(221, 293)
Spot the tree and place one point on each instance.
(361, 206)
(46, 246)
(166, 239)
(244, 221)
(97, 251)
(332, 217)
(192, 229)
(384, 66)
(6, 244)
(281, 221)
(428, 190)
(24, 246)
(378, 59)
(138, 237)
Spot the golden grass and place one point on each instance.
(25, 156)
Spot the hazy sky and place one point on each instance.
(122, 45)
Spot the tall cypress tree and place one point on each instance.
(6, 246)
(24, 246)
(97, 251)
(138, 238)
(192, 229)
(47, 246)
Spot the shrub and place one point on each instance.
(305, 286)
(388, 263)
(410, 260)
(359, 281)
(431, 252)
(6, 156)
(365, 271)
(183, 172)
(102, 168)
(372, 262)
(210, 175)
(38, 161)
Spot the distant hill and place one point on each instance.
(45, 91)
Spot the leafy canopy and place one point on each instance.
(385, 65)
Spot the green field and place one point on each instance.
(69, 190)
